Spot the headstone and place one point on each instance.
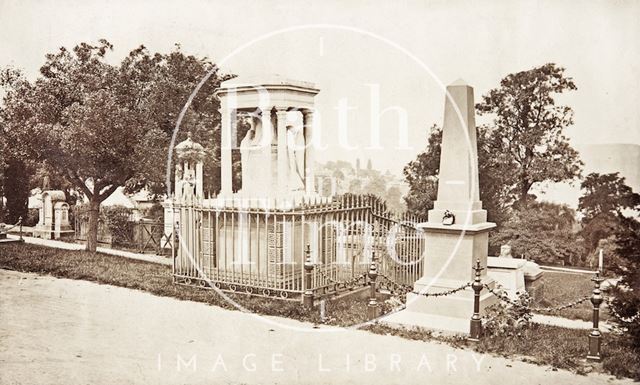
(53, 220)
(61, 226)
(456, 234)
(515, 275)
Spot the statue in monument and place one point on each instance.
(505, 251)
(296, 162)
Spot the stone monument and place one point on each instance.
(456, 234)
(188, 183)
(53, 216)
(507, 271)
(276, 172)
(276, 155)
(515, 275)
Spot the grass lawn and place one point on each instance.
(545, 345)
(561, 288)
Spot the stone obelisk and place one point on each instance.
(456, 234)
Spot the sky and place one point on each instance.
(403, 50)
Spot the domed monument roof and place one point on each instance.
(189, 148)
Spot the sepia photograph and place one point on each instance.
(319, 192)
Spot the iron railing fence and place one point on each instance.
(261, 251)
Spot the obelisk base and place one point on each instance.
(450, 255)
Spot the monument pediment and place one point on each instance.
(249, 92)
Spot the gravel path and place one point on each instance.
(58, 331)
(105, 250)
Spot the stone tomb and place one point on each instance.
(515, 276)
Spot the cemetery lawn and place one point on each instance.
(544, 345)
(561, 288)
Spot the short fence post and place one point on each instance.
(307, 298)
(475, 331)
(595, 336)
(372, 307)
(20, 222)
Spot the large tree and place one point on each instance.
(102, 126)
(627, 292)
(422, 175)
(15, 169)
(526, 138)
(541, 231)
(605, 198)
(606, 193)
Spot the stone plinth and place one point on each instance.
(450, 253)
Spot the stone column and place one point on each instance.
(225, 151)
(281, 127)
(309, 151)
(199, 180)
(267, 132)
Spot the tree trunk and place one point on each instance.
(92, 235)
(525, 185)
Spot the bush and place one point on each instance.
(542, 232)
(117, 220)
(33, 215)
(508, 320)
(155, 212)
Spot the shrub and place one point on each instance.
(509, 320)
(155, 212)
(32, 217)
(117, 220)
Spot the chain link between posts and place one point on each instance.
(404, 289)
(613, 312)
(503, 297)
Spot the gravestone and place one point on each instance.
(53, 218)
(456, 234)
(61, 226)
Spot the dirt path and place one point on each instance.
(58, 331)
